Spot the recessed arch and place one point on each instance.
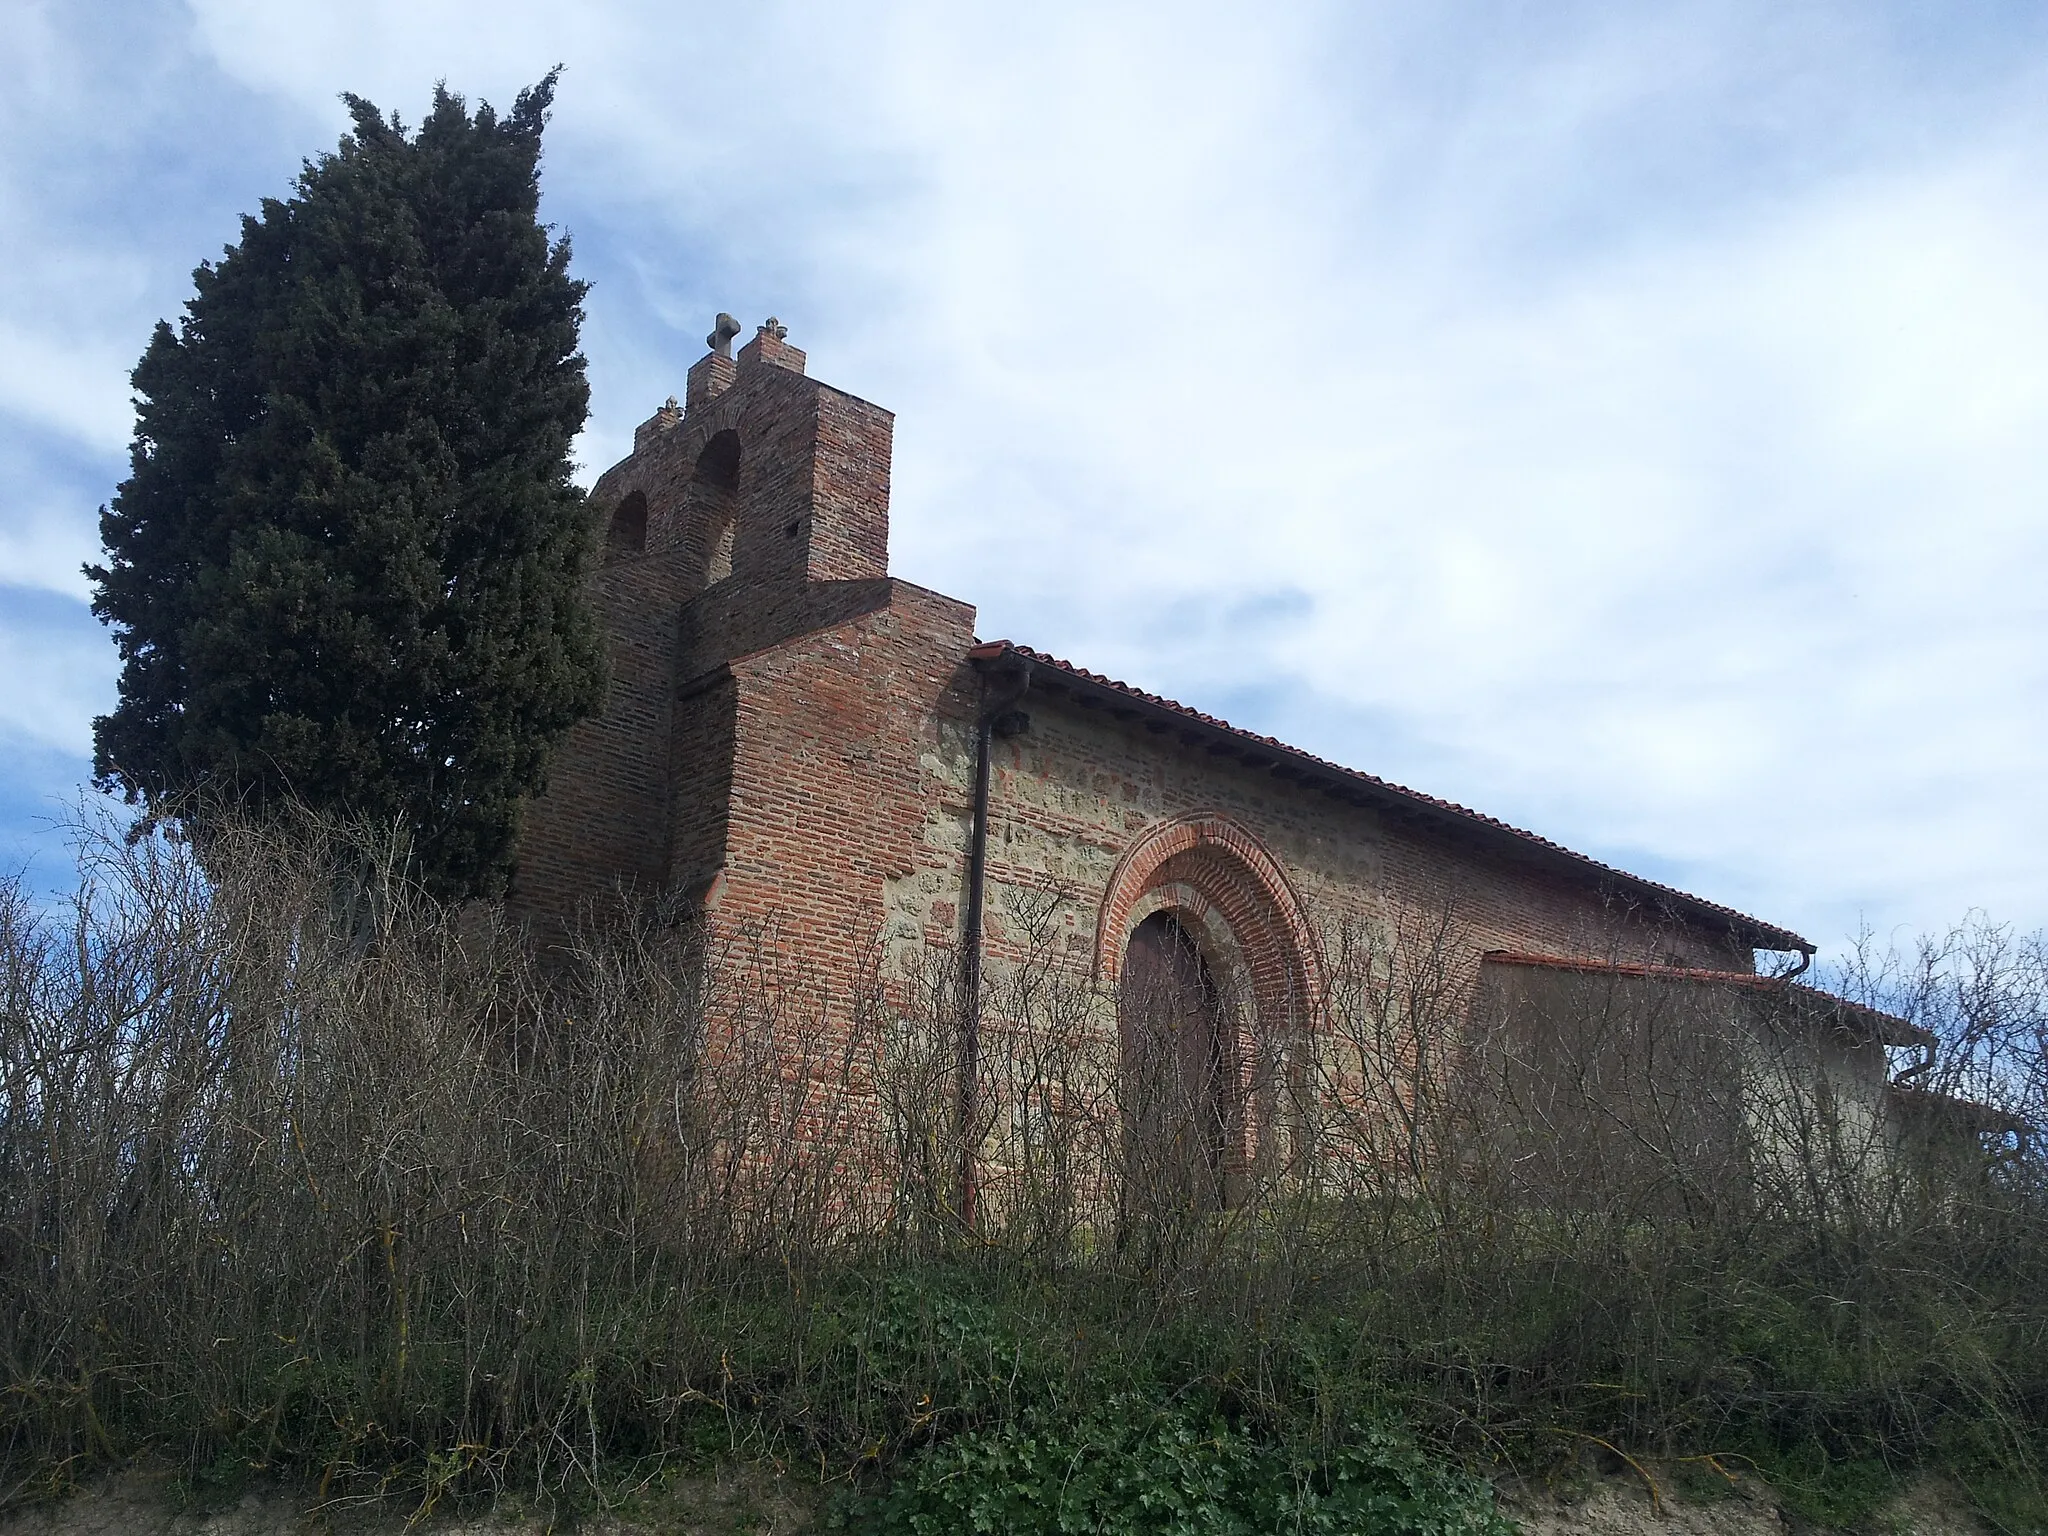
(718, 463)
(1233, 873)
(1205, 925)
(1229, 895)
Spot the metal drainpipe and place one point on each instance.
(994, 707)
(1919, 1068)
(1928, 1047)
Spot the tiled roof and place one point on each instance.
(1886, 1027)
(1753, 931)
(1966, 1114)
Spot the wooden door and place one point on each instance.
(1172, 1027)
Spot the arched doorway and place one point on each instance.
(1235, 907)
(1178, 1076)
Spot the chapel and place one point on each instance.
(798, 743)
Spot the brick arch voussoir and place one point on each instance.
(1277, 964)
(1233, 871)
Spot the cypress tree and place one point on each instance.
(347, 567)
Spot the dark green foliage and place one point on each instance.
(347, 567)
(1131, 1466)
(1831, 1491)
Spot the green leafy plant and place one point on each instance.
(1130, 1467)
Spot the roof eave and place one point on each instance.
(1353, 787)
(1858, 1020)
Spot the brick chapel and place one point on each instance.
(795, 738)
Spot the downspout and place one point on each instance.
(1928, 1046)
(996, 711)
(1919, 1068)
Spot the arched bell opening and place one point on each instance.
(627, 534)
(711, 505)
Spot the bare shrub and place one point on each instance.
(296, 1161)
(300, 1169)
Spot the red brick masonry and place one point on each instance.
(789, 748)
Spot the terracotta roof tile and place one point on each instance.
(1965, 1113)
(1886, 1027)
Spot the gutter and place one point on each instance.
(1004, 683)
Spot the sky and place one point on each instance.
(1629, 421)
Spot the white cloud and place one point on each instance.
(1628, 422)
(74, 386)
(54, 675)
(1687, 546)
(45, 546)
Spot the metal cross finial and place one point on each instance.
(723, 330)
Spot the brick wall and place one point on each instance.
(760, 514)
(1072, 794)
(602, 822)
(834, 791)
